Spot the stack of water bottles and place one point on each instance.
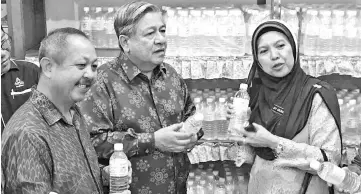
(205, 31)
(213, 106)
(350, 108)
(213, 178)
(331, 32)
(98, 24)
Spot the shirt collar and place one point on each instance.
(13, 65)
(46, 108)
(131, 70)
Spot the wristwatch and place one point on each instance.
(279, 149)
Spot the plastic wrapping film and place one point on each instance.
(207, 151)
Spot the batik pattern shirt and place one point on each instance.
(42, 152)
(124, 106)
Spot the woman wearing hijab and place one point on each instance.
(295, 118)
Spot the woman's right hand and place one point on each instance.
(230, 111)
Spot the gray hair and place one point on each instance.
(128, 16)
(55, 43)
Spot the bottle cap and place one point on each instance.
(222, 100)
(315, 165)
(118, 147)
(197, 100)
(243, 86)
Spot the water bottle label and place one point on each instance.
(118, 167)
(352, 123)
(326, 33)
(338, 30)
(351, 32)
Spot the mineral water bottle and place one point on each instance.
(240, 104)
(220, 187)
(325, 41)
(338, 27)
(183, 31)
(201, 188)
(190, 187)
(118, 170)
(172, 33)
(242, 186)
(210, 184)
(209, 119)
(98, 28)
(86, 23)
(341, 178)
(238, 32)
(229, 185)
(196, 31)
(351, 34)
(193, 124)
(311, 33)
(112, 40)
(220, 118)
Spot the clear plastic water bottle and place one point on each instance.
(351, 34)
(98, 28)
(338, 26)
(172, 33)
(183, 31)
(210, 184)
(118, 170)
(238, 34)
(312, 31)
(325, 41)
(352, 130)
(240, 103)
(86, 23)
(193, 124)
(229, 185)
(210, 32)
(208, 122)
(222, 31)
(112, 40)
(341, 178)
(220, 186)
(242, 186)
(191, 187)
(201, 188)
(196, 31)
(220, 118)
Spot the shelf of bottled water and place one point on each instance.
(203, 31)
(239, 67)
(331, 30)
(217, 178)
(326, 30)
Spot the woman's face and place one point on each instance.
(274, 53)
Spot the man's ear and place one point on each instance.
(124, 43)
(47, 66)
